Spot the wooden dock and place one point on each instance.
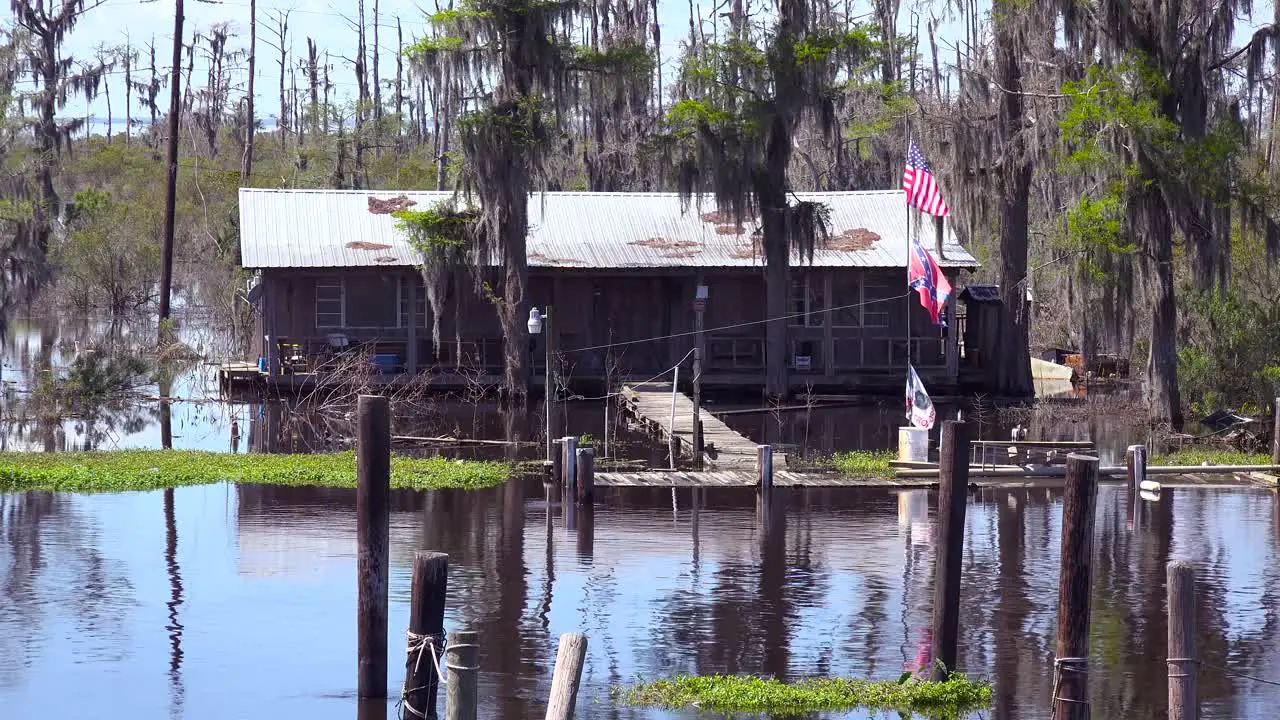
(786, 478)
(650, 405)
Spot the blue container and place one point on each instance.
(262, 364)
(386, 363)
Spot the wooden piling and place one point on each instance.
(1182, 660)
(462, 660)
(373, 516)
(569, 468)
(764, 468)
(426, 631)
(953, 483)
(586, 467)
(557, 460)
(568, 673)
(1275, 434)
(1071, 663)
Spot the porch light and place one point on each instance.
(535, 322)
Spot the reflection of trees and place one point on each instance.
(54, 564)
(176, 690)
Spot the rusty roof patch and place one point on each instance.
(852, 240)
(364, 245)
(386, 206)
(544, 259)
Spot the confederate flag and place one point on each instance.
(924, 275)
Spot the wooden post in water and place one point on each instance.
(953, 488)
(373, 516)
(1275, 434)
(1182, 660)
(1136, 466)
(764, 469)
(1071, 659)
(426, 631)
(568, 673)
(586, 467)
(557, 460)
(569, 467)
(462, 658)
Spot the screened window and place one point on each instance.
(329, 303)
(876, 314)
(372, 302)
(806, 302)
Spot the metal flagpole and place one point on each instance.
(908, 268)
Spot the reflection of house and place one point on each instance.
(618, 269)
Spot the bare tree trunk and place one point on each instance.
(171, 184)
(282, 34)
(246, 163)
(399, 81)
(362, 82)
(313, 83)
(106, 91)
(1013, 374)
(442, 131)
(377, 87)
(128, 91)
(328, 87)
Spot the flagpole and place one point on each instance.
(907, 247)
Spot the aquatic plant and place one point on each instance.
(727, 694)
(1212, 456)
(153, 469)
(864, 463)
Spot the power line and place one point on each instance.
(737, 325)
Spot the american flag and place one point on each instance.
(920, 185)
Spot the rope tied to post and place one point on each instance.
(1065, 665)
(419, 644)
(1219, 668)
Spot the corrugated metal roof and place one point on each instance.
(334, 228)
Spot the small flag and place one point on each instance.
(926, 277)
(919, 407)
(921, 186)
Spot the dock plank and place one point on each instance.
(651, 403)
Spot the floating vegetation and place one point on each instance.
(864, 463)
(1212, 456)
(154, 469)
(729, 694)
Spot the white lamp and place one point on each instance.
(535, 322)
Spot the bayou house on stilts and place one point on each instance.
(333, 275)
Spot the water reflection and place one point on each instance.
(252, 614)
(175, 601)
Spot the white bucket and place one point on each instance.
(913, 444)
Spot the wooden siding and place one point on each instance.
(624, 318)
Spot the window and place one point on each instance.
(846, 297)
(875, 311)
(329, 303)
(372, 301)
(806, 302)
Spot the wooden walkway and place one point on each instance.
(786, 478)
(650, 405)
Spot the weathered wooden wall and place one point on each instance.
(598, 317)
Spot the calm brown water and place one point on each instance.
(225, 602)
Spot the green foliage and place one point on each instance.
(627, 58)
(858, 45)
(153, 469)
(519, 125)
(1111, 101)
(111, 256)
(737, 694)
(1212, 456)
(1230, 355)
(444, 225)
(864, 463)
